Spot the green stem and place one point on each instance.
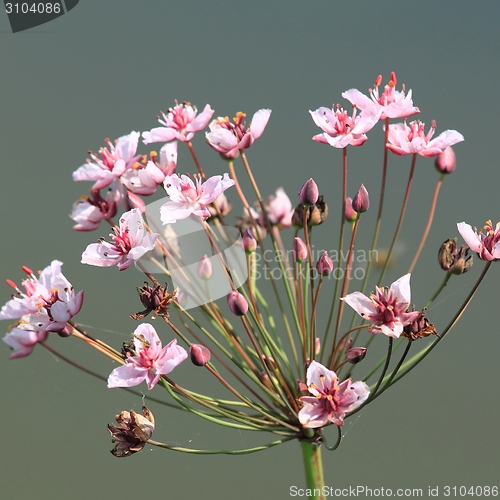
(313, 466)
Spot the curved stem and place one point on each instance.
(422, 354)
(218, 452)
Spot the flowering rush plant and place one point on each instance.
(289, 370)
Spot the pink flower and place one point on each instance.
(188, 198)
(88, 212)
(112, 164)
(404, 139)
(51, 295)
(386, 308)
(151, 360)
(391, 104)
(487, 246)
(340, 129)
(145, 179)
(129, 244)
(230, 138)
(330, 401)
(31, 329)
(179, 123)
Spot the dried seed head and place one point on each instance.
(132, 432)
(454, 260)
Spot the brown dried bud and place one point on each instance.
(454, 260)
(132, 433)
(421, 327)
(154, 299)
(317, 214)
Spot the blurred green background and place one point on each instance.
(107, 68)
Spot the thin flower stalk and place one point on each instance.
(429, 223)
(340, 248)
(400, 220)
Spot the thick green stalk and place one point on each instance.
(313, 466)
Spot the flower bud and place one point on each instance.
(446, 161)
(237, 303)
(249, 242)
(454, 260)
(324, 266)
(299, 250)
(199, 354)
(309, 193)
(205, 268)
(349, 213)
(356, 354)
(361, 202)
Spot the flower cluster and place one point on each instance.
(47, 305)
(288, 370)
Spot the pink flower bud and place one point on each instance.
(446, 161)
(249, 241)
(324, 266)
(361, 202)
(349, 214)
(237, 303)
(205, 268)
(299, 250)
(356, 354)
(309, 193)
(199, 354)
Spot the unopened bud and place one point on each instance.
(361, 202)
(302, 387)
(205, 268)
(454, 260)
(237, 303)
(446, 161)
(309, 193)
(199, 354)
(324, 266)
(356, 354)
(249, 242)
(299, 250)
(349, 213)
